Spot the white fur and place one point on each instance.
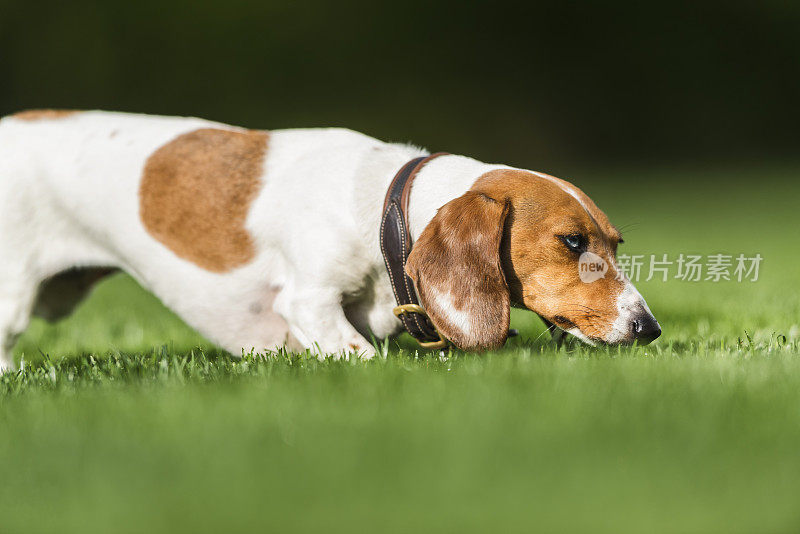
(69, 196)
(458, 318)
(630, 303)
(580, 335)
(435, 186)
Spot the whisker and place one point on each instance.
(546, 330)
(628, 226)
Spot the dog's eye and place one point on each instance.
(574, 242)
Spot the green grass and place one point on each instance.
(124, 420)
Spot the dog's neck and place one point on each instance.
(439, 182)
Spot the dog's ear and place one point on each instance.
(455, 265)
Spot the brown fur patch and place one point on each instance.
(42, 114)
(457, 258)
(591, 208)
(196, 192)
(542, 273)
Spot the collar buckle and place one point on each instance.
(416, 308)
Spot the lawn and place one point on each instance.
(125, 420)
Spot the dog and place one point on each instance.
(262, 240)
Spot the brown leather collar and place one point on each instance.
(396, 245)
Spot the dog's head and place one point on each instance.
(529, 239)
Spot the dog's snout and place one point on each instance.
(645, 328)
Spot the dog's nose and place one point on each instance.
(645, 328)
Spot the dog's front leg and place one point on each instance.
(317, 320)
(17, 295)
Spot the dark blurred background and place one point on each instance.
(547, 85)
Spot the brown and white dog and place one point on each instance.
(265, 239)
